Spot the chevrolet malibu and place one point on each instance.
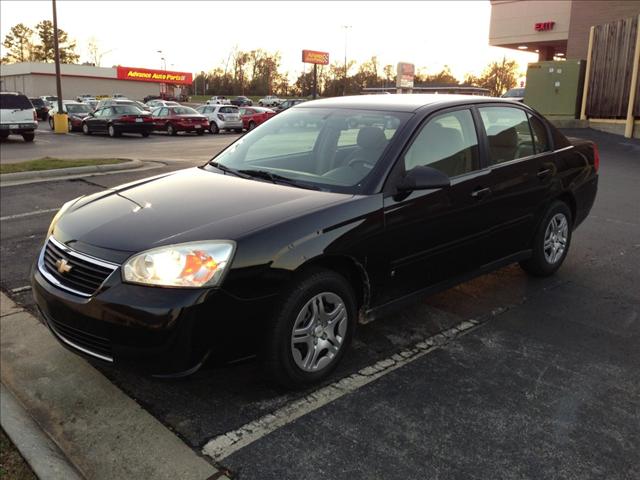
(334, 211)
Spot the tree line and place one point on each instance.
(25, 44)
(259, 72)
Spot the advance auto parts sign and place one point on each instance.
(156, 76)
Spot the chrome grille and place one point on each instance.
(85, 275)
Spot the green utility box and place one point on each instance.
(555, 88)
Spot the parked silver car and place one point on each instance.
(222, 117)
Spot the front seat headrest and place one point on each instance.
(371, 138)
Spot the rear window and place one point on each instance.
(228, 109)
(14, 102)
(126, 109)
(184, 111)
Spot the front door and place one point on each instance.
(434, 235)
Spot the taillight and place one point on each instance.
(596, 158)
(127, 118)
(220, 116)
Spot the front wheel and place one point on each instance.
(213, 128)
(171, 130)
(145, 134)
(112, 131)
(252, 125)
(311, 329)
(85, 129)
(550, 242)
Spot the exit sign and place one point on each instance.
(544, 26)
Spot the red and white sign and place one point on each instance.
(312, 56)
(544, 26)
(156, 76)
(405, 74)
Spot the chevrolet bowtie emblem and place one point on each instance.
(63, 266)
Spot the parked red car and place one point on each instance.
(179, 119)
(254, 116)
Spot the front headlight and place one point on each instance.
(61, 212)
(194, 265)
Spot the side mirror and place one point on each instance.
(423, 178)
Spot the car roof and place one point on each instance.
(11, 93)
(398, 102)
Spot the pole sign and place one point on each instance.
(158, 76)
(317, 58)
(406, 73)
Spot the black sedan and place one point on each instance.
(306, 224)
(42, 110)
(242, 101)
(118, 119)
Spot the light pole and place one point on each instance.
(60, 118)
(346, 29)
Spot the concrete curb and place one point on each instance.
(68, 174)
(40, 452)
(99, 429)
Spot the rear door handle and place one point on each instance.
(481, 192)
(544, 173)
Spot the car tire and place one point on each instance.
(551, 241)
(213, 128)
(28, 137)
(238, 130)
(85, 129)
(200, 132)
(111, 130)
(171, 130)
(252, 125)
(69, 126)
(51, 125)
(144, 134)
(304, 343)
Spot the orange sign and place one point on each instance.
(157, 76)
(319, 58)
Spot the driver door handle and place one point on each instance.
(481, 192)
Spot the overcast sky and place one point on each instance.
(197, 36)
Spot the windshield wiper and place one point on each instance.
(275, 178)
(226, 170)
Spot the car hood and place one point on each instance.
(188, 205)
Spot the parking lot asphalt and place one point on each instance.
(158, 146)
(546, 387)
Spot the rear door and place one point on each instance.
(435, 235)
(521, 173)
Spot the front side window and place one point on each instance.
(448, 142)
(332, 149)
(508, 133)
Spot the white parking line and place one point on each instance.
(224, 445)
(28, 214)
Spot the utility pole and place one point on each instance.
(346, 29)
(60, 118)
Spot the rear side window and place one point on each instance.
(14, 102)
(540, 137)
(448, 142)
(508, 133)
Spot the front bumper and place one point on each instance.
(162, 331)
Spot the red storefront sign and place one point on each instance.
(544, 26)
(156, 76)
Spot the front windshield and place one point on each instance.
(332, 149)
(78, 108)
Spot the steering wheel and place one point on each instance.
(356, 161)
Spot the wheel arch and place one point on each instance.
(568, 198)
(350, 268)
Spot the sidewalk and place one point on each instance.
(101, 433)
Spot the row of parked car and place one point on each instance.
(118, 114)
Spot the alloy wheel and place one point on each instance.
(555, 238)
(319, 331)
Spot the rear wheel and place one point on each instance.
(171, 130)
(550, 242)
(28, 137)
(310, 330)
(213, 128)
(252, 125)
(238, 130)
(85, 129)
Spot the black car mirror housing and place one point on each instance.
(423, 178)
